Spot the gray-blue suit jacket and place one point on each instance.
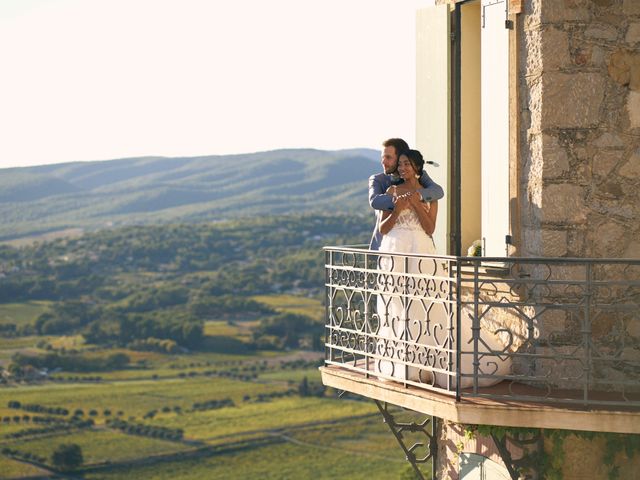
(380, 201)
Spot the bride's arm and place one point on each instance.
(427, 214)
(389, 218)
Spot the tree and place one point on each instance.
(303, 388)
(118, 360)
(67, 456)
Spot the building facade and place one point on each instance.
(530, 113)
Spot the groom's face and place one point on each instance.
(389, 160)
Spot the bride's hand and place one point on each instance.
(414, 199)
(425, 205)
(401, 202)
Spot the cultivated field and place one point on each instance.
(193, 415)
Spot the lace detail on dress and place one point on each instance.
(407, 220)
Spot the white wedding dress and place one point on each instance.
(416, 335)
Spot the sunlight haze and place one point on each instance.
(103, 79)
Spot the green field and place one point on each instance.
(101, 446)
(270, 432)
(134, 398)
(16, 469)
(286, 437)
(215, 425)
(13, 343)
(18, 313)
(312, 374)
(292, 304)
(282, 459)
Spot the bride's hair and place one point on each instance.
(415, 157)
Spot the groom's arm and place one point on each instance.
(378, 199)
(431, 191)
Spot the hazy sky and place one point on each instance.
(102, 79)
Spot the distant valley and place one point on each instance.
(151, 190)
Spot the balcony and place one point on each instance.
(522, 342)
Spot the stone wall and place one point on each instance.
(572, 457)
(579, 82)
(579, 77)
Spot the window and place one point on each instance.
(478, 467)
(479, 169)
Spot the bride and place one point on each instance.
(416, 335)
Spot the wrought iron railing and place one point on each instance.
(533, 329)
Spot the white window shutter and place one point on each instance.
(433, 46)
(495, 127)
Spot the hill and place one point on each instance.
(120, 285)
(151, 190)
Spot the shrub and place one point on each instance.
(67, 456)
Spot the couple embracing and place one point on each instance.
(416, 321)
(404, 199)
(403, 186)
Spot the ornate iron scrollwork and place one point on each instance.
(425, 430)
(531, 445)
(550, 330)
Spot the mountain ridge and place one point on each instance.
(147, 190)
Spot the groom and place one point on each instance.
(379, 183)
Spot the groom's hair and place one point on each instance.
(416, 159)
(397, 143)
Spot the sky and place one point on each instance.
(102, 79)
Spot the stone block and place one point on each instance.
(555, 158)
(601, 32)
(554, 243)
(531, 242)
(535, 107)
(569, 273)
(552, 322)
(634, 72)
(633, 329)
(613, 206)
(582, 55)
(610, 189)
(624, 68)
(633, 109)
(533, 169)
(631, 355)
(555, 49)
(608, 140)
(564, 204)
(633, 33)
(633, 251)
(631, 168)
(604, 163)
(631, 7)
(598, 56)
(614, 18)
(576, 239)
(531, 49)
(584, 154)
(607, 240)
(571, 100)
(558, 11)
